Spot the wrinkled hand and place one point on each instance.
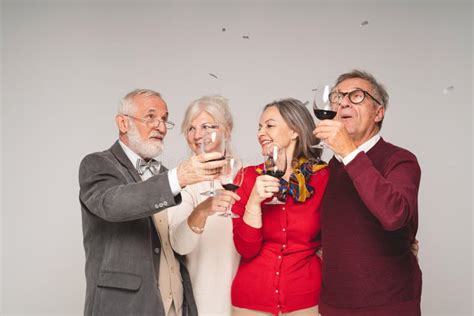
(200, 168)
(335, 136)
(219, 203)
(265, 187)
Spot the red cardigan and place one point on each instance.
(279, 270)
(369, 219)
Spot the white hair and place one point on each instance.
(127, 105)
(217, 106)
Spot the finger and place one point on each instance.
(209, 156)
(272, 189)
(215, 165)
(267, 178)
(208, 177)
(228, 197)
(230, 194)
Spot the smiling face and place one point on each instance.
(361, 119)
(273, 128)
(144, 138)
(202, 125)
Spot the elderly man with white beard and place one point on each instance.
(124, 191)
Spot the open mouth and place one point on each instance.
(265, 142)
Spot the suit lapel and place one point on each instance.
(118, 152)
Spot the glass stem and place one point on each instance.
(212, 190)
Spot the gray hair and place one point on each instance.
(127, 105)
(380, 92)
(217, 106)
(298, 118)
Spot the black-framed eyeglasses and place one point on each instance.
(355, 96)
(152, 120)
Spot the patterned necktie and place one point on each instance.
(152, 165)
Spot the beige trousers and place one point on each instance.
(237, 311)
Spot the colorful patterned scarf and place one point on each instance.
(298, 187)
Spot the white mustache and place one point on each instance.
(157, 135)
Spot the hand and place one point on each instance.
(219, 203)
(200, 168)
(319, 253)
(265, 187)
(210, 206)
(414, 248)
(335, 136)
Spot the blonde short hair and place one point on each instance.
(217, 106)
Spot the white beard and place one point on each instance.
(146, 149)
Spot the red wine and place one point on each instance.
(277, 174)
(325, 114)
(230, 187)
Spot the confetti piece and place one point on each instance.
(448, 89)
(305, 103)
(364, 23)
(315, 89)
(213, 75)
(245, 36)
(223, 29)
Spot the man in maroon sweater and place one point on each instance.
(369, 211)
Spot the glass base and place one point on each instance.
(228, 214)
(209, 193)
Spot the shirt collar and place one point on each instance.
(365, 147)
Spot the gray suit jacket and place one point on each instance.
(120, 240)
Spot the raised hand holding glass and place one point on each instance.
(275, 165)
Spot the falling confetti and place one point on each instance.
(315, 89)
(223, 29)
(213, 75)
(448, 89)
(364, 23)
(245, 36)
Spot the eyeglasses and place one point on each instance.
(355, 96)
(152, 120)
(204, 127)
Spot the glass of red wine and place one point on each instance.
(213, 141)
(322, 108)
(232, 176)
(275, 165)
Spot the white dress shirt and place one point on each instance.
(170, 283)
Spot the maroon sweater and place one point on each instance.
(369, 219)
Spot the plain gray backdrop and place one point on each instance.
(66, 64)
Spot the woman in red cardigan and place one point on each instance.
(279, 271)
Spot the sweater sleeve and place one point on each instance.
(247, 239)
(392, 196)
(182, 238)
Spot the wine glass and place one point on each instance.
(275, 165)
(213, 141)
(231, 178)
(322, 108)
